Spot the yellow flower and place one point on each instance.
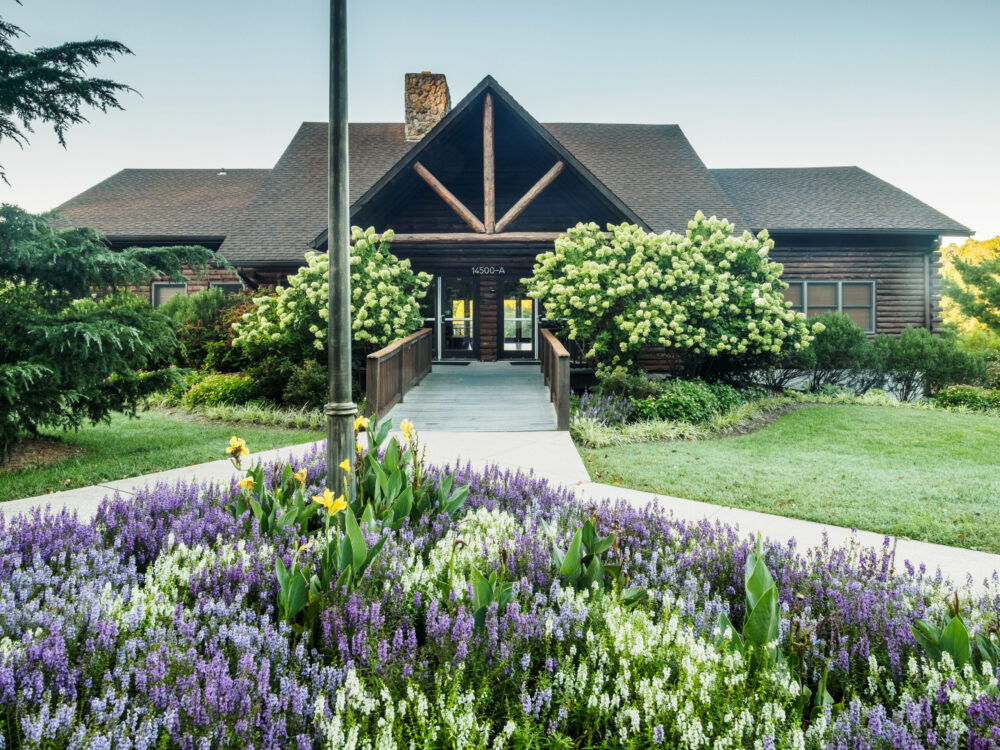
(237, 447)
(360, 423)
(333, 506)
(345, 465)
(408, 429)
(247, 483)
(301, 477)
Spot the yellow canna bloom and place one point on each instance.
(360, 423)
(345, 465)
(247, 483)
(333, 506)
(408, 429)
(301, 477)
(237, 447)
(360, 446)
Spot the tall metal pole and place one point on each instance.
(341, 410)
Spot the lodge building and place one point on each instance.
(473, 193)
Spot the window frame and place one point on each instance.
(155, 284)
(840, 297)
(222, 284)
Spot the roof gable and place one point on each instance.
(409, 197)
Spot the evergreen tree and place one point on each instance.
(50, 85)
(75, 343)
(972, 280)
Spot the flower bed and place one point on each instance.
(481, 621)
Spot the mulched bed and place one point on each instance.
(33, 454)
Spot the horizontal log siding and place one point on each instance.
(898, 275)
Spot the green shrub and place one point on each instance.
(726, 397)
(920, 363)
(201, 306)
(982, 399)
(203, 322)
(680, 401)
(841, 354)
(629, 386)
(307, 387)
(218, 389)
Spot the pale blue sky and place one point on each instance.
(908, 89)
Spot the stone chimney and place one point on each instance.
(427, 101)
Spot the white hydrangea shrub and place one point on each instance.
(703, 294)
(385, 302)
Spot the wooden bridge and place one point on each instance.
(402, 383)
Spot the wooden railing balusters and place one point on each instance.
(555, 367)
(394, 370)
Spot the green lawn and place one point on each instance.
(130, 447)
(928, 475)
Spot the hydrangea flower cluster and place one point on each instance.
(385, 301)
(702, 294)
(154, 625)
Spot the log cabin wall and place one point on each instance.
(896, 263)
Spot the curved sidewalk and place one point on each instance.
(552, 455)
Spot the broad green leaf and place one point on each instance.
(571, 562)
(727, 634)
(358, 548)
(928, 636)
(282, 572)
(589, 537)
(758, 583)
(761, 626)
(955, 641)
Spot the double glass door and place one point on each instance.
(456, 319)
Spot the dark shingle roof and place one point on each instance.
(652, 168)
(829, 199)
(290, 208)
(136, 203)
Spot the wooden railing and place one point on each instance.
(394, 370)
(555, 368)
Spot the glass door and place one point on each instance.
(517, 322)
(457, 314)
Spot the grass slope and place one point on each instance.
(130, 447)
(927, 475)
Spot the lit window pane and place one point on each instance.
(860, 315)
(822, 295)
(794, 295)
(859, 295)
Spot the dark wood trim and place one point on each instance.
(489, 172)
(528, 197)
(470, 237)
(446, 195)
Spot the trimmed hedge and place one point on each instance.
(983, 399)
(218, 389)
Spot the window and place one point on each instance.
(856, 299)
(162, 292)
(229, 287)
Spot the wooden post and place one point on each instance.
(448, 197)
(537, 188)
(489, 182)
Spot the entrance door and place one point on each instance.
(458, 312)
(517, 322)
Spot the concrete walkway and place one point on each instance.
(552, 455)
(479, 397)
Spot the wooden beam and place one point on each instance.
(489, 181)
(446, 195)
(474, 238)
(537, 188)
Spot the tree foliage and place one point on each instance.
(385, 304)
(75, 344)
(705, 296)
(972, 284)
(51, 85)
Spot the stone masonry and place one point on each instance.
(427, 101)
